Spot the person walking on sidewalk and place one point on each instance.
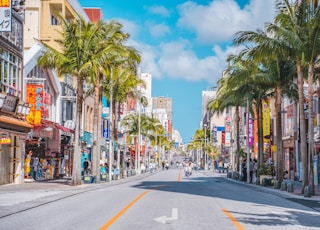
(87, 167)
(251, 166)
(244, 170)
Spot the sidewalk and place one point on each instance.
(297, 189)
(17, 196)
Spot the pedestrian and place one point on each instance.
(244, 170)
(86, 167)
(220, 166)
(102, 169)
(255, 165)
(215, 166)
(251, 165)
(167, 165)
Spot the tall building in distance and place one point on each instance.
(162, 109)
(146, 91)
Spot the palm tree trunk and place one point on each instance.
(260, 136)
(310, 128)
(238, 140)
(114, 129)
(97, 129)
(94, 153)
(76, 174)
(302, 128)
(279, 143)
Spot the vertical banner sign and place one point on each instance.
(266, 119)
(105, 129)
(223, 137)
(214, 133)
(35, 98)
(5, 16)
(250, 131)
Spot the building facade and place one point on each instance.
(162, 109)
(13, 106)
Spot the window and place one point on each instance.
(54, 20)
(10, 73)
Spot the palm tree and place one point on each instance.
(143, 125)
(276, 72)
(297, 26)
(78, 43)
(234, 90)
(112, 55)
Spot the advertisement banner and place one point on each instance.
(266, 119)
(35, 97)
(105, 129)
(5, 16)
(250, 132)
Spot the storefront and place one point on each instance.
(48, 152)
(13, 132)
(289, 159)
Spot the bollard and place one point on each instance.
(290, 187)
(283, 186)
(307, 192)
(276, 184)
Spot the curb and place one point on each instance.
(274, 191)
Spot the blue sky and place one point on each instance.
(184, 44)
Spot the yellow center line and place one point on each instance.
(119, 214)
(233, 220)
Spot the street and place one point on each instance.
(162, 200)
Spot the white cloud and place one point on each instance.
(159, 30)
(178, 60)
(129, 27)
(218, 21)
(149, 55)
(213, 25)
(159, 10)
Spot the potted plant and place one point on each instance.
(265, 171)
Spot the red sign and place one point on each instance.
(47, 99)
(35, 97)
(223, 137)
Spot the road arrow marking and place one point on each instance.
(164, 219)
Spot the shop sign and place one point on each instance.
(70, 124)
(105, 129)
(5, 16)
(9, 104)
(35, 98)
(5, 140)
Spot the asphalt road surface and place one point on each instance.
(164, 200)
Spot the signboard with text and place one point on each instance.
(35, 97)
(5, 16)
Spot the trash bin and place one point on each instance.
(87, 179)
(103, 177)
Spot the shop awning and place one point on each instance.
(57, 126)
(14, 124)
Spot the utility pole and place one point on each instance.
(139, 121)
(248, 147)
(110, 157)
(205, 146)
